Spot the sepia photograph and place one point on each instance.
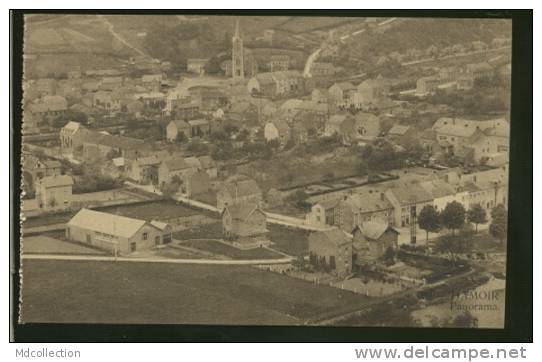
(252, 170)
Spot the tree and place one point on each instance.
(465, 320)
(170, 189)
(429, 220)
(477, 215)
(453, 216)
(52, 203)
(499, 223)
(453, 245)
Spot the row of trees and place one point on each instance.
(454, 216)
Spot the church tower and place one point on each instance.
(238, 65)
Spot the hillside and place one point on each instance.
(417, 33)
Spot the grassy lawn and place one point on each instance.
(209, 231)
(175, 253)
(164, 209)
(216, 247)
(58, 218)
(484, 242)
(290, 241)
(62, 291)
(47, 245)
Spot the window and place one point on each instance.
(133, 246)
(145, 236)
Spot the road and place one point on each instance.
(310, 61)
(285, 260)
(330, 320)
(428, 60)
(314, 56)
(111, 29)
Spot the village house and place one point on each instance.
(111, 83)
(199, 128)
(175, 98)
(276, 84)
(322, 69)
(369, 92)
(299, 132)
(401, 133)
(407, 200)
(174, 128)
(334, 125)
(472, 140)
(72, 136)
(209, 99)
(443, 193)
(279, 63)
(318, 112)
(152, 81)
(196, 65)
(54, 192)
(371, 240)
(479, 71)
(365, 127)
(449, 74)
(323, 213)
(152, 100)
(116, 234)
(369, 205)
(108, 146)
(277, 130)
(353, 129)
(340, 93)
(186, 111)
(173, 166)
(49, 106)
(490, 186)
(39, 169)
(333, 249)
(244, 222)
(209, 165)
(44, 87)
(320, 95)
(234, 192)
(144, 170)
(427, 85)
(104, 100)
(243, 112)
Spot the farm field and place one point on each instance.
(61, 291)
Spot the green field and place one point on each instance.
(289, 241)
(43, 244)
(108, 292)
(219, 248)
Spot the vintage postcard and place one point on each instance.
(265, 170)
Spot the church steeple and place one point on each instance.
(238, 64)
(236, 28)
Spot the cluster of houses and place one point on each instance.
(455, 78)
(398, 202)
(356, 226)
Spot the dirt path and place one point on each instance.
(111, 29)
(156, 260)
